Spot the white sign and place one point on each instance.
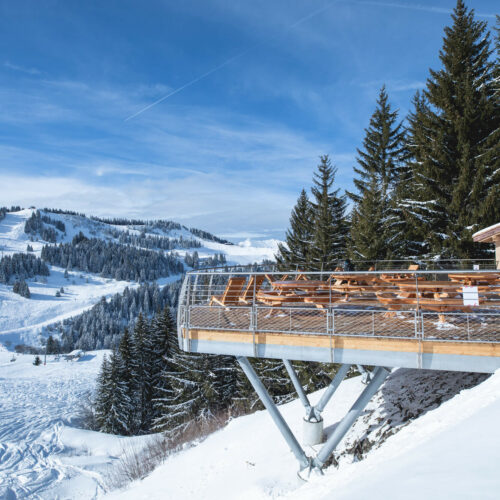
(470, 295)
(475, 267)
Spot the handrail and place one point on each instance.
(330, 273)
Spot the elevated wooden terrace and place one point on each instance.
(440, 320)
(445, 320)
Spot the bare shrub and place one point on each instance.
(85, 414)
(136, 463)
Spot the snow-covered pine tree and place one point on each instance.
(164, 345)
(112, 415)
(296, 253)
(330, 226)
(102, 396)
(142, 352)
(447, 139)
(195, 388)
(129, 378)
(371, 235)
(21, 288)
(488, 178)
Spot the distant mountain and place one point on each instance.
(90, 258)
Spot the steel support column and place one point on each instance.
(298, 387)
(367, 376)
(274, 412)
(345, 424)
(330, 390)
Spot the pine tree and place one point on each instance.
(379, 163)
(164, 345)
(142, 355)
(448, 133)
(129, 378)
(488, 178)
(51, 348)
(329, 222)
(102, 398)
(368, 239)
(296, 253)
(113, 403)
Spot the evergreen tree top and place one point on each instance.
(465, 56)
(382, 150)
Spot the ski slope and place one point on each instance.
(22, 320)
(41, 455)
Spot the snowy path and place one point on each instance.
(36, 402)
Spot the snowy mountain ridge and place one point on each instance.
(22, 320)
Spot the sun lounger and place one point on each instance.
(231, 294)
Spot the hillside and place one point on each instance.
(449, 452)
(448, 446)
(23, 320)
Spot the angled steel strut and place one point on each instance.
(345, 424)
(268, 402)
(313, 413)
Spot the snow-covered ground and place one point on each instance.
(449, 449)
(13, 238)
(21, 319)
(41, 454)
(449, 452)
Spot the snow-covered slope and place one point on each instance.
(13, 238)
(22, 320)
(40, 456)
(450, 452)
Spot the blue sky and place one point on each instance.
(286, 81)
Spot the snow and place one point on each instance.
(245, 252)
(450, 452)
(443, 449)
(21, 319)
(452, 448)
(42, 453)
(486, 229)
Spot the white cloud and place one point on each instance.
(21, 69)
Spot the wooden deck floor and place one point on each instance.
(351, 322)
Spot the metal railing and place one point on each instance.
(428, 305)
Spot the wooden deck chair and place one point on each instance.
(231, 294)
(253, 285)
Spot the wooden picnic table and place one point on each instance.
(476, 278)
(395, 278)
(435, 287)
(291, 285)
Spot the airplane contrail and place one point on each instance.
(229, 61)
